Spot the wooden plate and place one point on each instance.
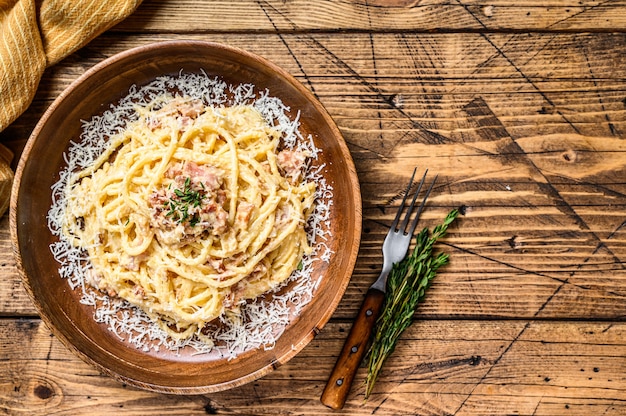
(39, 168)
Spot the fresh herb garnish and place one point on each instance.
(406, 286)
(182, 200)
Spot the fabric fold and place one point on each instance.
(35, 35)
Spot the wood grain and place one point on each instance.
(521, 109)
(354, 349)
(499, 144)
(439, 367)
(375, 16)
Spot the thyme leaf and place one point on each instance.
(179, 204)
(406, 286)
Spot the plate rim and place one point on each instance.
(25, 278)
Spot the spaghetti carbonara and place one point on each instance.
(191, 211)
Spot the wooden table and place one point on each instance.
(520, 109)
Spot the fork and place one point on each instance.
(395, 248)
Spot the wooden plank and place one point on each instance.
(417, 80)
(519, 107)
(511, 124)
(374, 16)
(439, 367)
(13, 297)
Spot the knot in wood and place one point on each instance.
(569, 156)
(43, 392)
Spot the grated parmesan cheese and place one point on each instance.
(261, 322)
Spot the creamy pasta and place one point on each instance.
(191, 210)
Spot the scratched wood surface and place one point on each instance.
(520, 109)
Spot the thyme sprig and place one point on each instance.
(406, 286)
(182, 201)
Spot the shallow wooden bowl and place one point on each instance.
(38, 170)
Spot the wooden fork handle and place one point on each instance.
(338, 385)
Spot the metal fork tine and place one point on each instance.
(395, 247)
(410, 210)
(421, 207)
(406, 193)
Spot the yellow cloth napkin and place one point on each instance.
(35, 34)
